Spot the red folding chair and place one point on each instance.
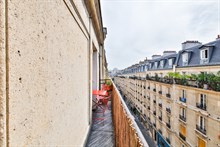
(101, 102)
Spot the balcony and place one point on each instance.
(186, 82)
(154, 89)
(182, 136)
(160, 105)
(201, 129)
(168, 95)
(182, 99)
(168, 110)
(168, 140)
(168, 125)
(115, 123)
(160, 92)
(183, 118)
(201, 106)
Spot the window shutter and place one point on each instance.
(201, 143)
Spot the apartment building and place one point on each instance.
(51, 57)
(178, 111)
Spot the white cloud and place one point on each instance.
(141, 28)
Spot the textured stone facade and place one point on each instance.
(46, 62)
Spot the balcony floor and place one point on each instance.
(102, 130)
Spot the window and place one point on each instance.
(170, 62)
(160, 113)
(161, 63)
(202, 122)
(185, 58)
(183, 112)
(183, 93)
(156, 64)
(204, 54)
(202, 99)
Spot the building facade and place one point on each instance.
(51, 57)
(176, 108)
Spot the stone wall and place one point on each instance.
(48, 100)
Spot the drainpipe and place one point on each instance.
(100, 66)
(90, 70)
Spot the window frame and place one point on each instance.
(185, 58)
(203, 54)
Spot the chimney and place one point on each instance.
(156, 56)
(218, 37)
(190, 43)
(165, 53)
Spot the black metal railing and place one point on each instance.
(183, 118)
(187, 82)
(168, 125)
(182, 136)
(168, 110)
(201, 129)
(168, 95)
(182, 99)
(201, 106)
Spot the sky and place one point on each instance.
(141, 28)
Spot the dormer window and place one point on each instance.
(161, 63)
(170, 61)
(185, 58)
(156, 64)
(204, 55)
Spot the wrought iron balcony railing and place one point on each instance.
(182, 99)
(182, 136)
(201, 129)
(168, 125)
(168, 110)
(201, 106)
(183, 118)
(168, 95)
